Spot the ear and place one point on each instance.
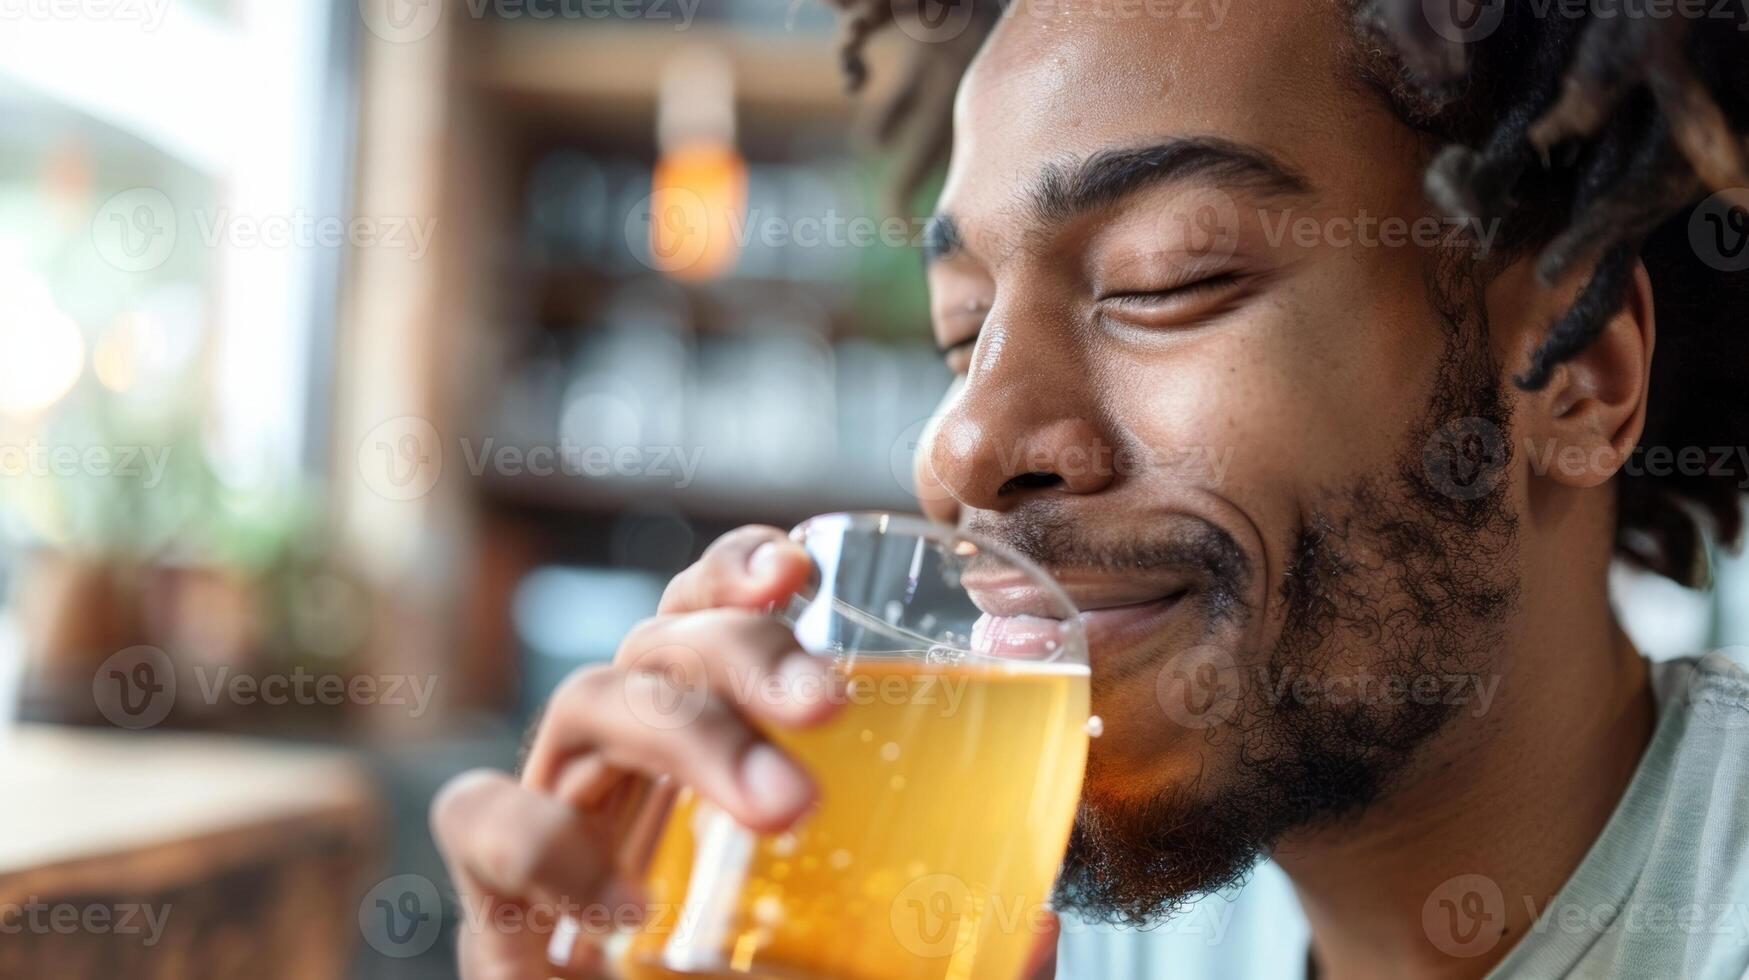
(1584, 424)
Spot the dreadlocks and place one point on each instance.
(1587, 133)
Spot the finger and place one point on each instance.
(507, 847)
(646, 723)
(754, 663)
(751, 660)
(749, 568)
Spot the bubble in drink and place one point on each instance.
(946, 801)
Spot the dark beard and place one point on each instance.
(1439, 576)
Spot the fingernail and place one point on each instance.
(763, 561)
(771, 781)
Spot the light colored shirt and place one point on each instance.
(1663, 892)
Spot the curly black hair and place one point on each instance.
(1588, 132)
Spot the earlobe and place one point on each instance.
(1589, 416)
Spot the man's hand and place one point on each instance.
(554, 836)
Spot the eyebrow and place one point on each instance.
(1107, 177)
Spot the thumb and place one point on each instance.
(1042, 964)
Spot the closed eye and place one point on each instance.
(958, 354)
(1207, 284)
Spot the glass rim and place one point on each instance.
(885, 522)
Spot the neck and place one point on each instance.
(1514, 793)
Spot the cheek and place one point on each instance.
(1309, 389)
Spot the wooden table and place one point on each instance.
(180, 856)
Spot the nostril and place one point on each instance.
(1030, 481)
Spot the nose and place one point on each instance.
(1018, 429)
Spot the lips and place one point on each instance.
(1116, 613)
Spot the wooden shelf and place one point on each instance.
(612, 69)
(560, 497)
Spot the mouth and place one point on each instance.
(1115, 614)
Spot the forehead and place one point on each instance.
(1062, 79)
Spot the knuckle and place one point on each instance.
(584, 688)
(462, 795)
(685, 590)
(742, 539)
(643, 633)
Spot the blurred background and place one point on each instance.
(351, 396)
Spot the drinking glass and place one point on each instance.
(948, 782)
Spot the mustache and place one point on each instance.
(1046, 533)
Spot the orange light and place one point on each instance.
(698, 194)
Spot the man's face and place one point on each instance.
(1204, 380)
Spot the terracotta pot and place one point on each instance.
(74, 612)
